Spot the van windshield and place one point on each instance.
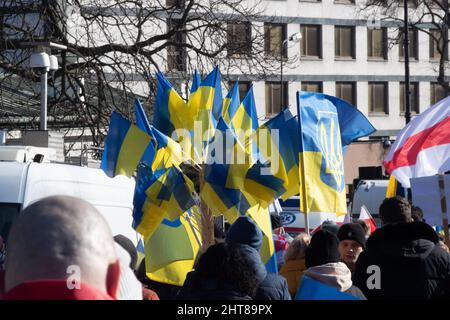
(8, 213)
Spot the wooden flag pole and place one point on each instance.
(444, 209)
(207, 220)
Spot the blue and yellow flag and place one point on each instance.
(224, 175)
(126, 145)
(169, 107)
(322, 183)
(195, 82)
(261, 217)
(171, 250)
(352, 122)
(244, 123)
(395, 188)
(167, 151)
(231, 103)
(278, 175)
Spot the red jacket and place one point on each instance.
(54, 290)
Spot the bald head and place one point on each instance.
(55, 233)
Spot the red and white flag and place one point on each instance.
(366, 216)
(422, 147)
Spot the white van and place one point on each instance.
(371, 194)
(294, 221)
(22, 183)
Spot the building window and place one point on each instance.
(414, 90)
(344, 38)
(437, 92)
(274, 35)
(413, 45)
(175, 4)
(312, 86)
(244, 86)
(436, 43)
(345, 1)
(346, 91)
(311, 41)
(378, 98)
(274, 101)
(239, 36)
(377, 43)
(176, 54)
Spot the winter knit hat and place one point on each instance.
(323, 249)
(353, 231)
(245, 231)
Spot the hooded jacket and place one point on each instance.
(410, 264)
(245, 231)
(336, 275)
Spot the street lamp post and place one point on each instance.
(406, 55)
(296, 37)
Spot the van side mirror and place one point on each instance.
(38, 158)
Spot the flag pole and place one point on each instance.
(301, 173)
(444, 209)
(207, 218)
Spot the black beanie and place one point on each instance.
(245, 231)
(323, 249)
(353, 231)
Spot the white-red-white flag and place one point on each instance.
(366, 216)
(422, 147)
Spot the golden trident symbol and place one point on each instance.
(332, 152)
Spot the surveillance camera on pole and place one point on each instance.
(40, 63)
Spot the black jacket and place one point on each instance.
(273, 287)
(411, 266)
(207, 289)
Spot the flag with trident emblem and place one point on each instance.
(322, 184)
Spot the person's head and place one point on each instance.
(323, 249)
(394, 210)
(365, 225)
(352, 241)
(129, 247)
(330, 226)
(245, 231)
(443, 246)
(53, 235)
(416, 214)
(233, 266)
(297, 248)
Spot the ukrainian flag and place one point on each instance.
(169, 107)
(170, 252)
(322, 184)
(146, 215)
(158, 196)
(394, 188)
(126, 145)
(231, 104)
(278, 145)
(224, 178)
(167, 151)
(261, 217)
(244, 122)
(195, 82)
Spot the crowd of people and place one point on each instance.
(62, 248)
